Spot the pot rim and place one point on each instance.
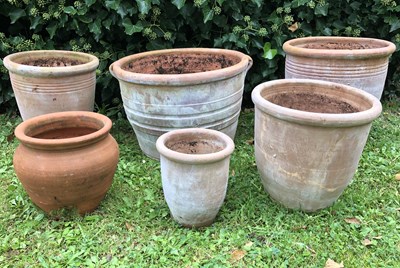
(317, 119)
(10, 62)
(195, 158)
(293, 47)
(180, 79)
(67, 143)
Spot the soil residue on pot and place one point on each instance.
(52, 62)
(65, 133)
(195, 147)
(315, 103)
(339, 45)
(181, 63)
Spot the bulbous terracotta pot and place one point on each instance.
(354, 61)
(309, 136)
(181, 88)
(66, 159)
(194, 171)
(48, 81)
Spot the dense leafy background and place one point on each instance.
(112, 29)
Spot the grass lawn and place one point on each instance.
(133, 228)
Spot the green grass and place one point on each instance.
(133, 228)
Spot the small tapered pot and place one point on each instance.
(194, 171)
(66, 159)
(309, 136)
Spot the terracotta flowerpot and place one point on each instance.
(309, 136)
(195, 171)
(354, 61)
(181, 88)
(66, 159)
(48, 81)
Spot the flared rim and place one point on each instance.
(180, 79)
(11, 62)
(317, 119)
(65, 119)
(296, 47)
(195, 158)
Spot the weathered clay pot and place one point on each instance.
(41, 90)
(66, 159)
(194, 171)
(309, 136)
(181, 88)
(353, 61)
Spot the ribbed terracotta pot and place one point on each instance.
(181, 88)
(48, 81)
(309, 136)
(66, 159)
(195, 171)
(354, 61)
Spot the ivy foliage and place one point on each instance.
(112, 29)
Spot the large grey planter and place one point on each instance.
(181, 88)
(306, 158)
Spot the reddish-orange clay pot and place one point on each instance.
(66, 159)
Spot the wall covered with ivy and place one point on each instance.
(112, 29)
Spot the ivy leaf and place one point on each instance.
(70, 10)
(298, 3)
(95, 27)
(179, 3)
(16, 14)
(258, 2)
(394, 25)
(208, 14)
(130, 28)
(144, 6)
(269, 53)
(89, 2)
(51, 29)
(112, 4)
(35, 22)
(321, 9)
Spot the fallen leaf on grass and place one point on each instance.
(397, 176)
(366, 242)
(296, 228)
(352, 220)
(10, 137)
(237, 255)
(128, 226)
(332, 264)
(250, 142)
(377, 237)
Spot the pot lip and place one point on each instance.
(195, 158)
(317, 119)
(67, 143)
(38, 71)
(293, 47)
(180, 79)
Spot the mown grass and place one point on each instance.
(133, 228)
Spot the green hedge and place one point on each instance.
(112, 29)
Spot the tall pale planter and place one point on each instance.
(309, 136)
(48, 81)
(194, 171)
(354, 61)
(181, 88)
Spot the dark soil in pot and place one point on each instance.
(181, 63)
(52, 62)
(315, 103)
(195, 147)
(340, 45)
